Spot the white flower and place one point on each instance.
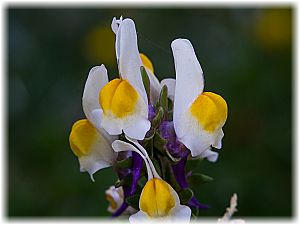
(115, 197)
(89, 142)
(123, 101)
(198, 116)
(158, 201)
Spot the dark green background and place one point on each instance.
(246, 55)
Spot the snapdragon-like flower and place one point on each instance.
(89, 142)
(158, 200)
(124, 101)
(115, 197)
(198, 116)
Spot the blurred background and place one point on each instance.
(246, 55)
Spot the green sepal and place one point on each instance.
(185, 195)
(196, 179)
(150, 134)
(125, 163)
(146, 80)
(163, 98)
(160, 143)
(195, 212)
(192, 163)
(158, 118)
(125, 181)
(133, 201)
(173, 159)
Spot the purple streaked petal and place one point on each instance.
(151, 112)
(120, 210)
(175, 147)
(137, 165)
(181, 178)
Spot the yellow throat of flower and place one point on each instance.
(210, 110)
(156, 198)
(119, 98)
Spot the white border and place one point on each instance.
(138, 3)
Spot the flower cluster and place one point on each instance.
(151, 132)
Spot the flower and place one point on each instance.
(89, 142)
(115, 197)
(123, 101)
(198, 116)
(158, 200)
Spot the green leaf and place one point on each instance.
(159, 143)
(125, 163)
(163, 98)
(146, 80)
(133, 201)
(158, 118)
(197, 179)
(192, 163)
(185, 195)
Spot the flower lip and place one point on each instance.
(119, 98)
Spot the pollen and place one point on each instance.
(210, 110)
(119, 98)
(156, 198)
(82, 137)
(147, 62)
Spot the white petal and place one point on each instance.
(189, 77)
(137, 127)
(115, 24)
(170, 83)
(96, 80)
(111, 125)
(194, 137)
(209, 155)
(182, 214)
(93, 150)
(218, 142)
(139, 217)
(128, 56)
(155, 87)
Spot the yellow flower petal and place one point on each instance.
(210, 110)
(119, 98)
(147, 62)
(83, 136)
(156, 198)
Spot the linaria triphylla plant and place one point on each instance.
(152, 133)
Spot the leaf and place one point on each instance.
(133, 201)
(160, 143)
(192, 163)
(158, 118)
(125, 163)
(196, 179)
(163, 98)
(146, 80)
(185, 195)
